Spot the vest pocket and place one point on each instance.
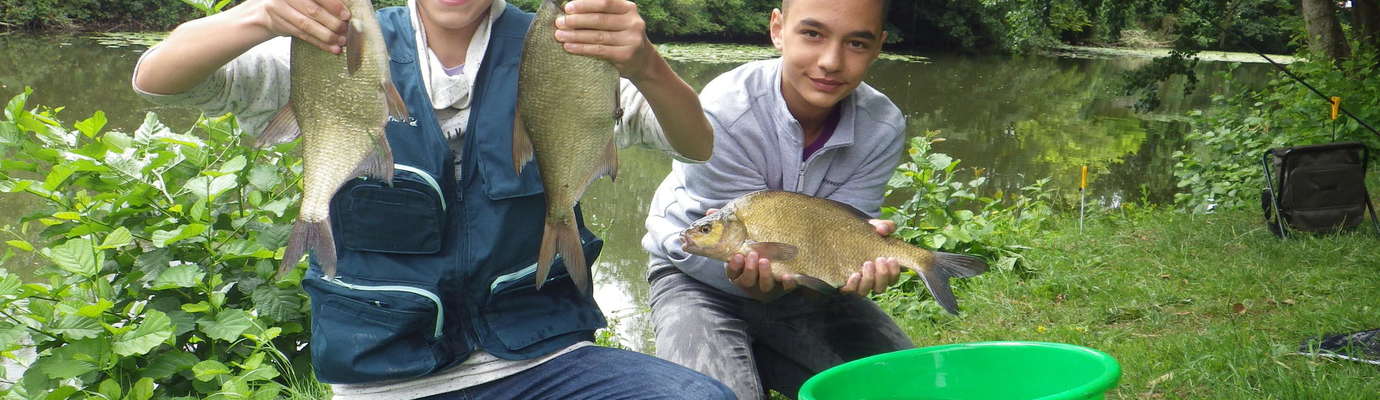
(366, 333)
(520, 315)
(407, 218)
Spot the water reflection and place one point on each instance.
(1019, 118)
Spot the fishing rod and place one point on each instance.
(1289, 73)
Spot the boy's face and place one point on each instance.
(826, 47)
(453, 14)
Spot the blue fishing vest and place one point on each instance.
(433, 268)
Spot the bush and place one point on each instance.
(1221, 168)
(158, 254)
(941, 211)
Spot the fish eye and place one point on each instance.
(704, 228)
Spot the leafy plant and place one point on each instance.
(942, 211)
(208, 7)
(1222, 167)
(158, 254)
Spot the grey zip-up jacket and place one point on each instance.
(757, 145)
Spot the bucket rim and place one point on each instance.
(1105, 381)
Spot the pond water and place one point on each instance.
(1019, 118)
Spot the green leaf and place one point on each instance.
(279, 304)
(234, 165)
(76, 327)
(164, 238)
(9, 285)
(167, 364)
(91, 126)
(198, 307)
(181, 276)
(67, 215)
(119, 237)
(209, 369)
(20, 244)
(152, 331)
(940, 161)
(227, 326)
(963, 215)
(152, 263)
(57, 175)
(210, 187)
(264, 176)
(150, 129)
(142, 390)
(110, 389)
(95, 310)
(76, 256)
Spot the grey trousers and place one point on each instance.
(752, 346)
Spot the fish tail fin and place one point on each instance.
(945, 266)
(562, 237)
(315, 236)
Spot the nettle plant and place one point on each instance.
(940, 210)
(157, 255)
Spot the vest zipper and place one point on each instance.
(440, 311)
(426, 177)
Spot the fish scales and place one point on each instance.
(339, 105)
(567, 107)
(821, 241)
(826, 238)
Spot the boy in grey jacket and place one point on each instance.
(805, 123)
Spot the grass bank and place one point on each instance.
(1193, 306)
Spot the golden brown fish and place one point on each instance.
(567, 105)
(821, 240)
(338, 104)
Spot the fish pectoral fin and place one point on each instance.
(610, 167)
(281, 129)
(397, 109)
(379, 163)
(522, 144)
(816, 284)
(618, 101)
(354, 47)
(774, 251)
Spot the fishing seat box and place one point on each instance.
(1316, 189)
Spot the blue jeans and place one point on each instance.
(601, 373)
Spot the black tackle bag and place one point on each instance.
(1318, 188)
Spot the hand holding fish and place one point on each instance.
(874, 276)
(322, 23)
(754, 275)
(608, 29)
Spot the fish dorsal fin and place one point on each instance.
(281, 129)
(846, 208)
(522, 144)
(354, 47)
(774, 251)
(397, 109)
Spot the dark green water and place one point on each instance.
(1018, 118)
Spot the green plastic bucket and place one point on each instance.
(987, 370)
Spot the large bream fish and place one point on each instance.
(339, 104)
(567, 106)
(822, 240)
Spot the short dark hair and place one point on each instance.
(886, 4)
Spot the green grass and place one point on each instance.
(1192, 306)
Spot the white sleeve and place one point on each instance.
(253, 86)
(639, 126)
